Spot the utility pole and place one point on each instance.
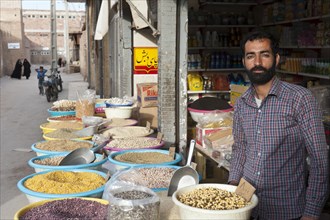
(53, 36)
(66, 37)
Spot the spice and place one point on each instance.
(63, 118)
(151, 177)
(63, 133)
(126, 132)
(138, 210)
(144, 157)
(64, 182)
(51, 161)
(63, 124)
(85, 108)
(210, 103)
(62, 145)
(120, 122)
(75, 208)
(133, 143)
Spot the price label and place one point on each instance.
(172, 151)
(159, 137)
(148, 125)
(245, 189)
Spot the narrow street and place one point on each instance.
(22, 112)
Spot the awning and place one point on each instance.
(139, 10)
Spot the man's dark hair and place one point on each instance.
(257, 35)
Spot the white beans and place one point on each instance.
(133, 143)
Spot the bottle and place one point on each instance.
(215, 39)
(207, 39)
(199, 39)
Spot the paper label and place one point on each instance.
(159, 137)
(172, 152)
(148, 125)
(193, 165)
(245, 189)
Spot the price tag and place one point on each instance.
(193, 165)
(245, 189)
(148, 125)
(172, 151)
(159, 137)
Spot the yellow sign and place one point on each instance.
(145, 60)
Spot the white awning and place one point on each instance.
(102, 24)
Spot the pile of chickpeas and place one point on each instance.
(213, 199)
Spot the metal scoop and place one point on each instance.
(91, 130)
(184, 176)
(81, 156)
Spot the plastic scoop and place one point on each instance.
(81, 156)
(184, 176)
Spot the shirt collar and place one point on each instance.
(275, 90)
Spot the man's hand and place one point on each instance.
(233, 182)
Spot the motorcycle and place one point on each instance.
(51, 88)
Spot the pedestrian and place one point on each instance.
(276, 126)
(27, 68)
(41, 76)
(59, 62)
(17, 73)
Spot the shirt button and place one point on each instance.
(258, 131)
(259, 154)
(258, 173)
(259, 111)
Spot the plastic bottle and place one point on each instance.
(207, 39)
(199, 39)
(215, 39)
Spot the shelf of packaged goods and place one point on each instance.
(207, 91)
(305, 47)
(207, 153)
(217, 70)
(305, 74)
(213, 48)
(296, 20)
(238, 3)
(221, 26)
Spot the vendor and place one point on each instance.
(276, 126)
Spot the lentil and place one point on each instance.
(126, 132)
(213, 199)
(63, 133)
(63, 124)
(153, 177)
(62, 145)
(50, 161)
(68, 209)
(64, 182)
(143, 158)
(149, 211)
(133, 143)
(120, 122)
(63, 118)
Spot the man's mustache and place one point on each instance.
(258, 68)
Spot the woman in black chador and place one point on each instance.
(27, 68)
(17, 73)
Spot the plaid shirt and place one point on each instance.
(270, 150)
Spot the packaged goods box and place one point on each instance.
(147, 94)
(148, 114)
(222, 139)
(202, 132)
(236, 91)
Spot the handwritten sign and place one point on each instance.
(145, 60)
(245, 189)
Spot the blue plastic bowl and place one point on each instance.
(60, 113)
(40, 152)
(122, 165)
(37, 196)
(108, 105)
(96, 165)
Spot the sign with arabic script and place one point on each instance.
(145, 60)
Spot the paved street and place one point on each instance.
(22, 112)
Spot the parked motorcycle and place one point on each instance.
(51, 90)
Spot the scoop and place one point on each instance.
(184, 176)
(91, 130)
(81, 156)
